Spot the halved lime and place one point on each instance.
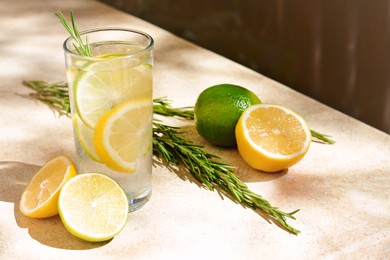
(93, 207)
(104, 84)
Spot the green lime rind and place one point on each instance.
(85, 136)
(217, 111)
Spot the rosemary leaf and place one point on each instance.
(82, 49)
(170, 145)
(54, 95)
(163, 107)
(321, 138)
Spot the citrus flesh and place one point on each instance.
(272, 137)
(217, 111)
(40, 197)
(93, 207)
(103, 85)
(85, 137)
(123, 134)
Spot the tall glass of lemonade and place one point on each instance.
(111, 106)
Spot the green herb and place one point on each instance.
(54, 95)
(169, 145)
(163, 107)
(321, 138)
(82, 49)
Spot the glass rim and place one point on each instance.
(147, 48)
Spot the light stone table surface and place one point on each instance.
(342, 190)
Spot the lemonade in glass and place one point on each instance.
(111, 106)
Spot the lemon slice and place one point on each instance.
(104, 84)
(93, 207)
(123, 134)
(85, 136)
(40, 197)
(272, 137)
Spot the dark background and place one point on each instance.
(336, 51)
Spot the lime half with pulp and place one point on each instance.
(104, 84)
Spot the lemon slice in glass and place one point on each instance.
(93, 207)
(123, 134)
(102, 85)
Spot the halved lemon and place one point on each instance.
(123, 134)
(40, 197)
(93, 207)
(104, 84)
(272, 137)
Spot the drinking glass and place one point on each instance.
(111, 107)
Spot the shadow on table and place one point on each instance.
(14, 176)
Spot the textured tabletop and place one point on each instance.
(342, 190)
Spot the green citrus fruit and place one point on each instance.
(93, 207)
(217, 111)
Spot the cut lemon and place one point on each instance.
(40, 197)
(123, 134)
(85, 137)
(271, 137)
(103, 85)
(93, 207)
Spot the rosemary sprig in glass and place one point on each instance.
(81, 48)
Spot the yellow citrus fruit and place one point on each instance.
(40, 197)
(93, 207)
(217, 111)
(272, 137)
(123, 134)
(102, 85)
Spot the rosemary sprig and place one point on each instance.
(321, 138)
(81, 48)
(54, 95)
(174, 149)
(162, 106)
